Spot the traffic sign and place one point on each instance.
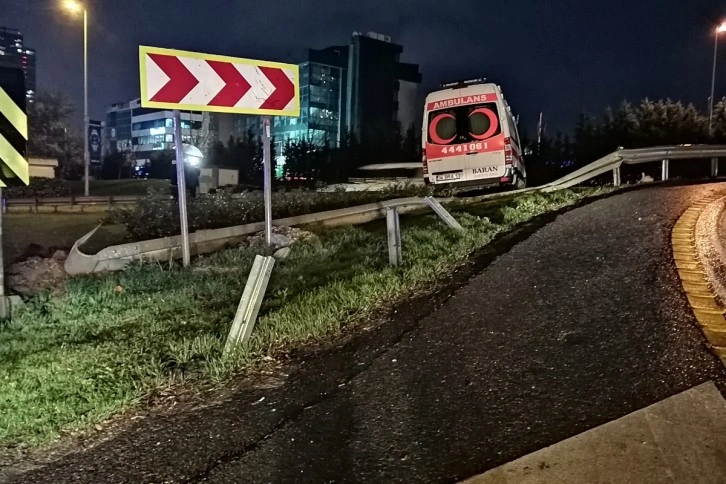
(190, 81)
(13, 125)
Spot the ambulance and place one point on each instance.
(470, 137)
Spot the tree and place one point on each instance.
(50, 134)
(115, 166)
(411, 146)
(160, 164)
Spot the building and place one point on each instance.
(15, 55)
(362, 87)
(139, 132)
(382, 91)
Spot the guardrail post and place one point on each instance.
(443, 213)
(35, 205)
(394, 237)
(616, 176)
(249, 304)
(714, 167)
(664, 171)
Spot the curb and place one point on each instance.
(706, 308)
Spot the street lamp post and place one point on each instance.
(75, 7)
(719, 30)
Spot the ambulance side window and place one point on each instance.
(513, 130)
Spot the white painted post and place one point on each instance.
(249, 304)
(714, 167)
(443, 213)
(616, 176)
(394, 237)
(664, 171)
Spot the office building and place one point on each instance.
(15, 55)
(382, 91)
(139, 132)
(362, 87)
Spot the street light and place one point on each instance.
(719, 30)
(76, 7)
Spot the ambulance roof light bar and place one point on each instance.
(469, 82)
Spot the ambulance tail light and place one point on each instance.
(507, 151)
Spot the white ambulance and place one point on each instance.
(470, 137)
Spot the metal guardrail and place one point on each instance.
(249, 304)
(34, 204)
(613, 161)
(118, 256)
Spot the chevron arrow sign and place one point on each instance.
(190, 81)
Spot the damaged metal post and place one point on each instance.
(394, 237)
(249, 305)
(664, 171)
(443, 213)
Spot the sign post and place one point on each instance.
(181, 184)
(191, 81)
(267, 168)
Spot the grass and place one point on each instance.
(112, 342)
(54, 230)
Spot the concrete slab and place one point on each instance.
(679, 440)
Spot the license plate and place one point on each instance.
(448, 176)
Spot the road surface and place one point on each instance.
(579, 324)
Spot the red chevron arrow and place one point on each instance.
(284, 88)
(181, 81)
(236, 85)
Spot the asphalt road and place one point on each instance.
(577, 325)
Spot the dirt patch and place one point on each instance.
(280, 238)
(37, 274)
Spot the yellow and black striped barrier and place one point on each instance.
(13, 136)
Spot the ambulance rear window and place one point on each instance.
(463, 124)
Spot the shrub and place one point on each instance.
(156, 216)
(40, 188)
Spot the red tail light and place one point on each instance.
(507, 151)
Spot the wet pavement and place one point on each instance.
(579, 324)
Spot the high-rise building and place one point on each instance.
(382, 91)
(15, 55)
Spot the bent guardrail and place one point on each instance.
(613, 161)
(206, 241)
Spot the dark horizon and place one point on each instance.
(561, 59)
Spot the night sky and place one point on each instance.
(558, 56)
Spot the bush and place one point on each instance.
(156, 216)
(40, 188)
